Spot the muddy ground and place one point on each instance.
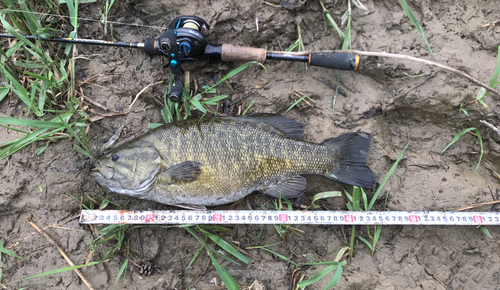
(396, 101)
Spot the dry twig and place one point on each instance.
(99, 117)
(491, 23)
(92, 101)
(406, 57)
(495, 129)
(474, 205)
(61, 252)
(137, 96)
(427, 62)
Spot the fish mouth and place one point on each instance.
(134, 188)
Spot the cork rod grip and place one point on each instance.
(240, 53)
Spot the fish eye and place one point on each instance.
(115, 157)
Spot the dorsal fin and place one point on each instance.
(289, 127)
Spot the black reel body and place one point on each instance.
(182, 41)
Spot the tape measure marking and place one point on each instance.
(289, 217)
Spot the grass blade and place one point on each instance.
(478, 134)
(248, 108)
(198, 105)
(23, 39)
(213, 101)
(492, 83)
(340, 254)
(77, 200)
(296, 102)
(224, 275)
(208, 247)
(226, 246)
(122, 270)
(3, 92)
(154, 125)
(8, 252)
(18, 144)
(355, 198)
(30, 123)
(335, 278)
(55, 272)
(366, 242)
(194, 257)
(321, 274)
(459, 135)
(365, 199)
(325, 194)
(280, 256)
(485, 231)
(415, 22)
(294, 45)
(215, 228)
(379, 189)
(376, 236)
(322, 263)
(232, 73)
(330, 19)
(20, 91)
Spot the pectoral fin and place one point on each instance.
(188, 170)
(292, 187)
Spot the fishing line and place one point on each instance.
(284, 217)
(4, 11)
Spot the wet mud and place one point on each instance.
(397, 101)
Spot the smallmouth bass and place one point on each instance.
(219, 160)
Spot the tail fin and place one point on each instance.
(351, 151)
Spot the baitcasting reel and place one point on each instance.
(183, 40)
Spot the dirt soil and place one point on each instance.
(396, 101)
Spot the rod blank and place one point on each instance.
(81, 41)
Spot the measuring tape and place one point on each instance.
(289, 217)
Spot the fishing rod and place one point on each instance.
(184, 40)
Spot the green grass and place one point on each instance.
(296, 102)
(322, 195)
(298, 44)
(51, 272)
(493, 83)
(104, 16)
(228, 280)
(415, 22)
(330, 20)
(459, 135)
(354, 204)
(42, 78)
(335, 265)
(192, 101)
(346, 44)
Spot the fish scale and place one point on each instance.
(214, 161)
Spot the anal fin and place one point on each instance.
(292, 187)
